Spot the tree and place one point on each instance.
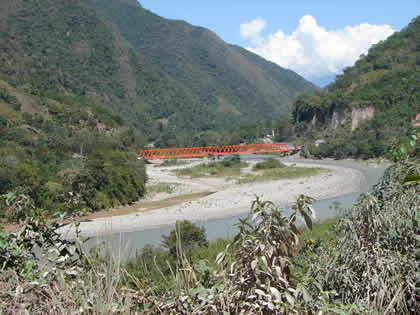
(3, 125)
(186, 236)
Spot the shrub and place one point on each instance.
(151, 266)
(371, 263)
(10, 99)
(269, 163)
(186, 236)
(3, 122)
(171, 162)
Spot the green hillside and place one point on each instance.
(167, 77)
(368, 107)
(68, 156)
(63, 46)
(229, 80)
(185, 87)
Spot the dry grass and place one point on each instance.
(168, 188)
(5, 110)
(171, 162)
(290, 172)
(173, 201)
(143, 206)
(226, 168)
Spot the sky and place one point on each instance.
(315, 38)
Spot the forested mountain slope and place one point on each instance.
(370, 105)
(66, 47)
(164, 76)
(79, 96)
(67, 156)
(229, 80)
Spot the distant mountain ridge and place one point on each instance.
(205, 57)
(152, 71)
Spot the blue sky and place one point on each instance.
(315, 38)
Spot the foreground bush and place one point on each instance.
(187, 236)
(369, 266)
(372, 264)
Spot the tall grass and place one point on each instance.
(268, 164)
(372, 262)
(289, 172)
(90, 285)
(225, 168)
(168, 188)
(171, 162)
(367, 264)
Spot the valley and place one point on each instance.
(217, 197)
(91, 224)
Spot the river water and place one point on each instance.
(126, 244)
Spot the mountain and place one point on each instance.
(228, 79)
(68, 157)
(66, 47)
(80, 93)
(323, 81)
(162, 75)
(368, 107)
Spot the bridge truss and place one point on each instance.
(192, 152)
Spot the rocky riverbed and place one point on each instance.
(215, 197)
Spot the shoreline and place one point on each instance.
(228, 201)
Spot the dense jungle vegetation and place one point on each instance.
(168, 78)
(387, 79)
(226, 79)
(67, 156)
(366, 263)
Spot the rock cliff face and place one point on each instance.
(339, 117)
(358, 114)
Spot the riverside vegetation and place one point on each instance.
(267, 170)
(367, 264)
(272, 169)
(226, 168)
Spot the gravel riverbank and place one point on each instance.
(228, 199)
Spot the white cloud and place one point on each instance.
(311, 50)
(253, 29)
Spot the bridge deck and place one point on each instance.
(174, 153)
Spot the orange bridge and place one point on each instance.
(174, 153)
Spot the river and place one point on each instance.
(127, 243)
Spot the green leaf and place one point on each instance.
(260, 292)
(411, 179)
(306, 296)
(220, 257)
(276, 293)
(254, 263)
(290, 298)
(307, 219)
